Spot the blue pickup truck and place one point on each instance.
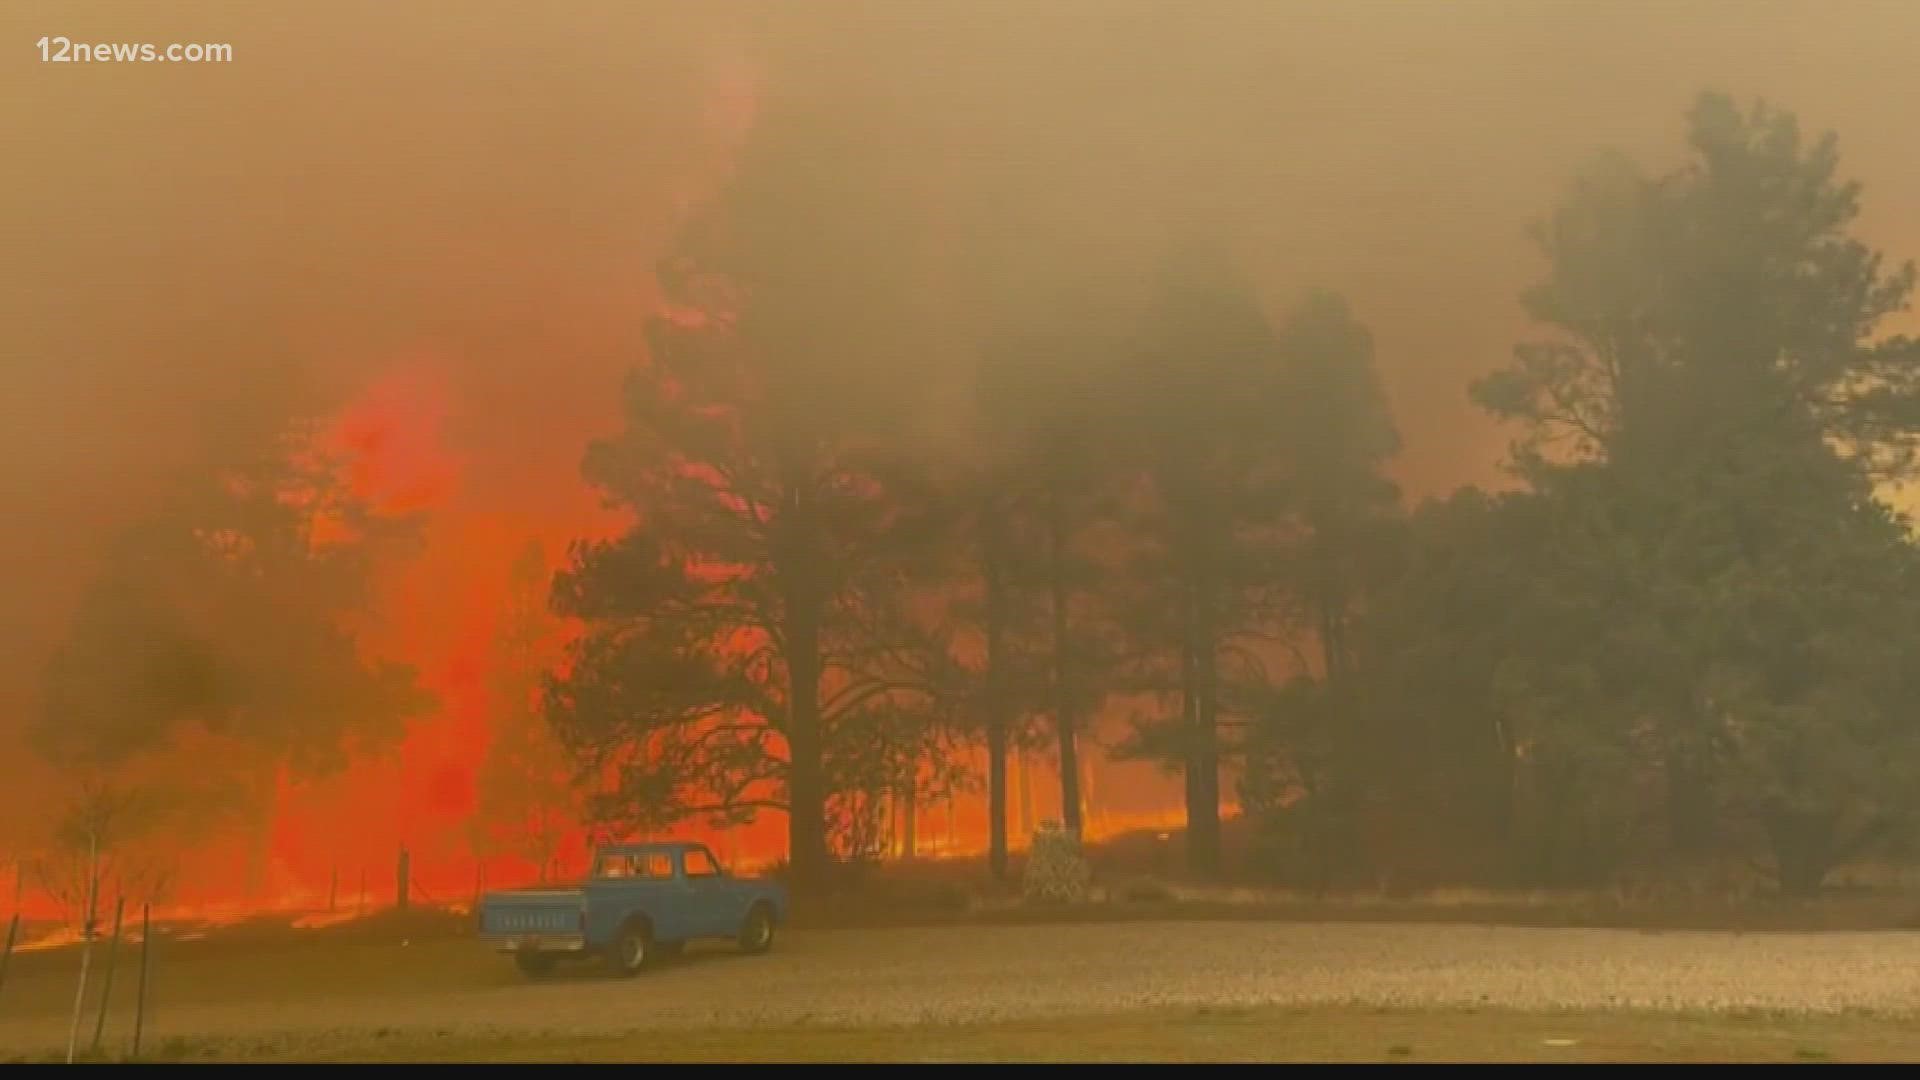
(641, 901)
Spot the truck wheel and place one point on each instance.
(533, 965)
(631, 950)
(756, 934)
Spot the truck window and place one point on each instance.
(653, 865)
(700, 864)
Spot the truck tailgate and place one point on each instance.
(542, 912)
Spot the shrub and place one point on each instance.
(1056, 870)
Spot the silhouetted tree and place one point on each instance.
(981, 654)
(1696, 305)
(1204, 392)
(99, 848)
(715, 666)
(1338, 436)
(227, 608)
(1728, 285)
(227, 614)
(525, 792)
(1047, 402)
(722, 646)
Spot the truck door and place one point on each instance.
(710, 901)
(636, 881)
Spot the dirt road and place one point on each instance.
(956, 974)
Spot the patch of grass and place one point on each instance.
(1144, 891)
(1333, 1034)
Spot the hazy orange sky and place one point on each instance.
(448, 213)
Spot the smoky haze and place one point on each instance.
(453, 211)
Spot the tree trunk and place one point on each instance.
(1332, 647)
(1804, 850)
(806, 794)
(996, 718)
(1063, 718)
(1203, 746)
(909, 823)
(260, 851)
(1189, 724)
(1689, 803)
(997, 800)
(1026, 794)
(1345, 787)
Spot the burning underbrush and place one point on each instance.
(265, 928)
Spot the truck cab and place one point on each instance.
(639, 902)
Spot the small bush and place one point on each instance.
(1057, 871)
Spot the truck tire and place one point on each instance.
(756, 932)
(632, 949)
(533, 965)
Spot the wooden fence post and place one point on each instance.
(6, 958)
(146, 953)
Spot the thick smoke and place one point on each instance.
(439, 221)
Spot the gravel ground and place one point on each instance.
(981, 974)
